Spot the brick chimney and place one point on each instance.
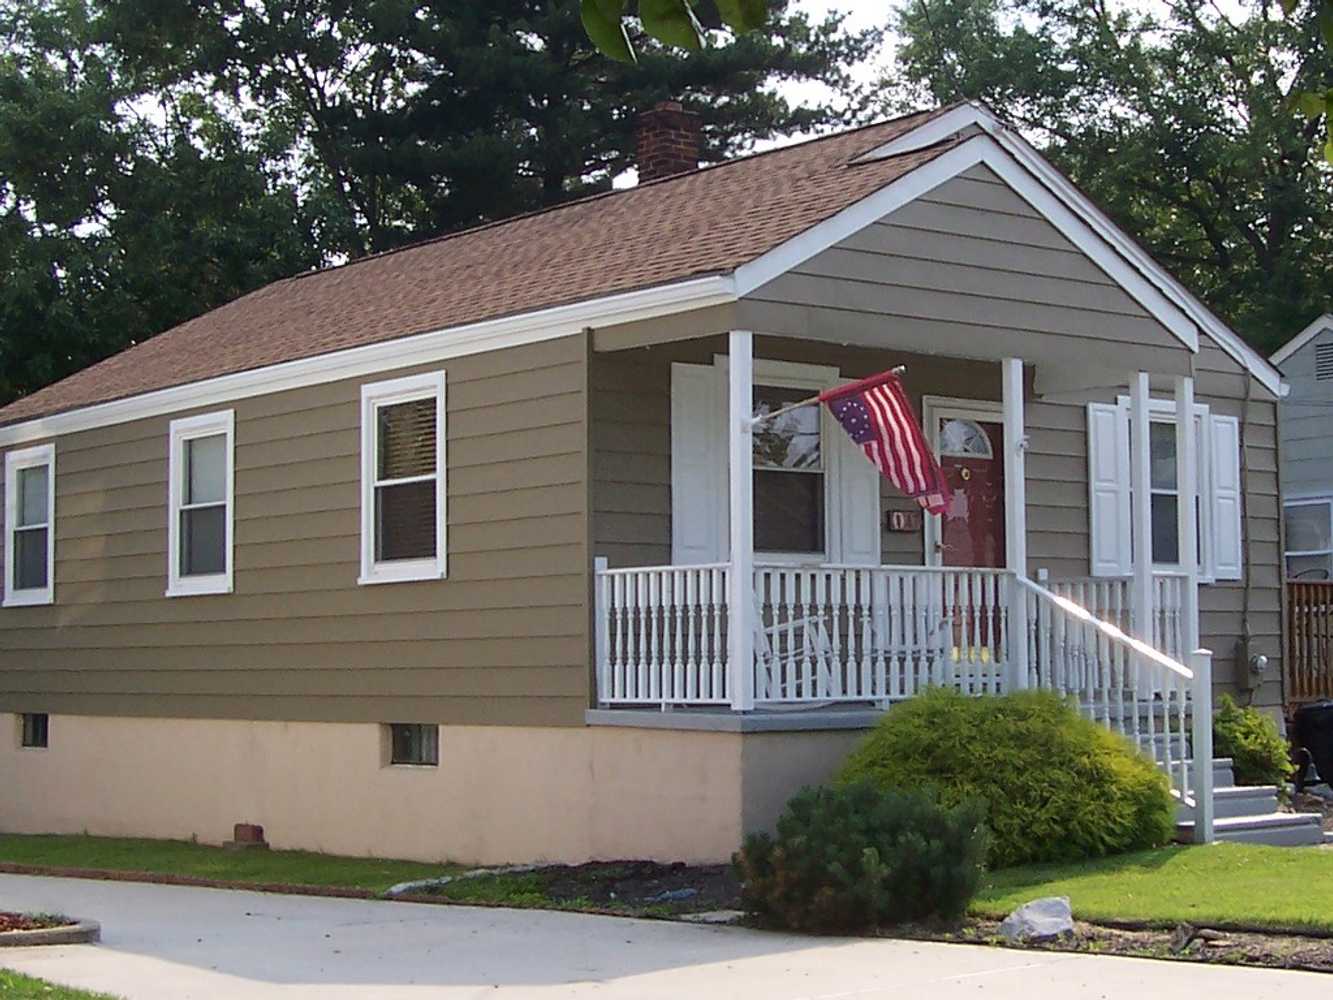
(669, 141)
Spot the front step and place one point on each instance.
(1276, 829)
(1248, 814)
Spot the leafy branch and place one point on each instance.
(1312, 103)
(671, 22)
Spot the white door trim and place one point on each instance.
(932, 408)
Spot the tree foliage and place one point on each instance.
(1177, 121)
(160, 157)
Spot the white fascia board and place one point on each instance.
(977, 115)
(1324, 322)
(403, 352)
(983, 148)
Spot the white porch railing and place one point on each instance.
(1109, 599)
(1162, 706)
(878, 634)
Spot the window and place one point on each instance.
(199, 505)
(788, 474)
(961, 438)
(413, 743)
(402, 480)
(1309, 525)
(35, 728)
(30, 496)
(1217, 505)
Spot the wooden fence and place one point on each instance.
(1309, 659)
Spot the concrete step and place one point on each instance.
(1223, 775)
(1244, 800)
(1277, 829)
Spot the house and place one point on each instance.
(1306, 447)
(1306, 467)
(473, 550)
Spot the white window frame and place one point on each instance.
(1327, 503)
(15, 462)
(373, 396)
(815, 379)
(181, 432)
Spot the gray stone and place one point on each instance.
(713, 917)
(1040, 920)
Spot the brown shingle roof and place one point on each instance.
(706, 222)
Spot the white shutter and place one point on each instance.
(699, 504)
(1228, 551)
(1108, 489)
(856, 491)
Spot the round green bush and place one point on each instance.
(1056, 786)
(1259, 755)
(855, 857)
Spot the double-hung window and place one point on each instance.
(1217, 506)
(1309, 552)
(403, 480)
(30, 499)
(788, 473)
(200, 500)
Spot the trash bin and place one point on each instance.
(1313, 732)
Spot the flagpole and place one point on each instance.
(896, 370)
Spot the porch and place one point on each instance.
(721, 627)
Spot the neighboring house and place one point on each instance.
(432, 554)
(1305, 416)
(1306, 466)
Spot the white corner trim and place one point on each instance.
(430, 385)
(985, 149)
(401, 352)
(15, 462)
(179, 434)
(975, 114)
(1324, 322)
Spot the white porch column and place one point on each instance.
(740, 463)
(1187, 486)
(1140, 485)
(1016, 517)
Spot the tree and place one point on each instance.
(416, 118)
(115, 224)
(671, 22)
(1178, 124)
(1312, 103)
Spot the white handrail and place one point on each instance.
(1113, 632)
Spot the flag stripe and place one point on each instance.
(876, 412)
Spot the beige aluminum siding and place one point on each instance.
(502, 640)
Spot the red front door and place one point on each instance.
(972, 459)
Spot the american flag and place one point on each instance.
(876, 415)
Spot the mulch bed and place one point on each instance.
(639, 888)
(1183, 943)
(31, 921)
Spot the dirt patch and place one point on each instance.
(32, 921)
(1183, 943)
(640, 888)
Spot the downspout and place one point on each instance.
(1242, 657)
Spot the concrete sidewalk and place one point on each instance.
(176, 943)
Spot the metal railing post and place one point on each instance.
(1201, 662)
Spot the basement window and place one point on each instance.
(414, 743)
(35, 730)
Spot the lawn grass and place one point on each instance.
(179, 857)
(14, 986)
(1277, 888)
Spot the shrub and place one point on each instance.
(1056, 786)
(855, 857)
(1258, 753)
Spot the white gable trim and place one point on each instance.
(402, 352)
(1324, 322)
(975, 115)
(979, 149)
